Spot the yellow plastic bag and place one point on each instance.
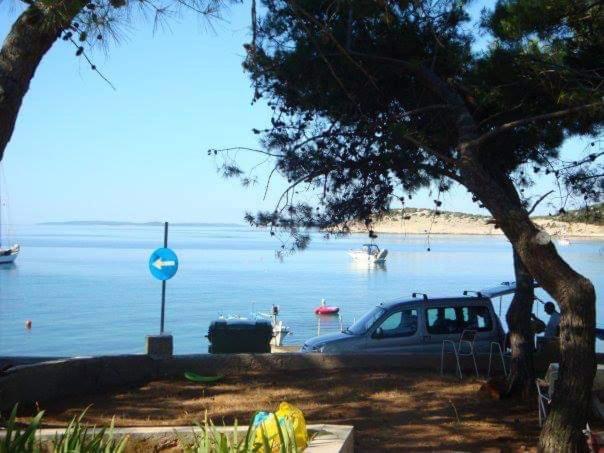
(296, 418)
(292, 424)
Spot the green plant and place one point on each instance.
(81, 438)
(209, 440)
(287, 437)
(20, 441)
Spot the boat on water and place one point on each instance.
(324, 309)
(564, 241)
(369, 253)
(280, 330)
(7, 254)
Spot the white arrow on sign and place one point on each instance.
(159, 264)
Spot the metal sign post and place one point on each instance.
(163, 264)
(163, 285)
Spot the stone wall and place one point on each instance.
(52, 380)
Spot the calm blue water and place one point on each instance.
(87, 289)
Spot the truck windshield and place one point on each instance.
(366, 321)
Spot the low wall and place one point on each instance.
(52, 380)
(323, 438)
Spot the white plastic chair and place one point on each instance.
(502, 351)
(466, 338)
(542, 399)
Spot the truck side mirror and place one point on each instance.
(379, 333)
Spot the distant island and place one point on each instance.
(578, 223)
(119, 223)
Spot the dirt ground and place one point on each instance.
(390, 411)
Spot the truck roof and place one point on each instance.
(481, 296)
(460, 300)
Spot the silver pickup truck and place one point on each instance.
(419, 324)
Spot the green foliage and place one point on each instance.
(207, 439)
(545, 20)
(367, 99)
(93, 23)
(79, 437)
(590, 214)
(19, 440)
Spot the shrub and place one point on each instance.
(209, 440)
(79, 437)
(20, 440)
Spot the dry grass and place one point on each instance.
(390, 411)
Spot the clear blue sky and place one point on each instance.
(82, 151)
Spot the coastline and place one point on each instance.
(452, 223)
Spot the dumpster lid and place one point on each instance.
(240, 323)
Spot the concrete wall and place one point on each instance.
(324, 438)
(52, 380)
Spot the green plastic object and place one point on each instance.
(198, 378)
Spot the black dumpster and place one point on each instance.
(239, 335)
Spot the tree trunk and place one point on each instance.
(30, 37)
(522, 371)
(575, 295)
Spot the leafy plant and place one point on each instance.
(81, 438)
(287, 437)
(21, 441)
(209, 440)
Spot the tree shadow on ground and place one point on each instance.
(390, 411)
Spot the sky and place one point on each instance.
(84, 151)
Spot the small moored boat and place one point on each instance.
(369, 253)
(326, 309)
(564, 241)
(7, 255)
(280, 330)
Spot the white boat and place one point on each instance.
(563, 241)
(369, 253)
(7, 255)
(280, 330)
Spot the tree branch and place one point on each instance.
(430, 150)
(543, 197)
(465, 122)
(243, 148)
(426, 109)
(546, 116)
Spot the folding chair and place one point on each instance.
(466, 338)
(502, 351)
(542, 399)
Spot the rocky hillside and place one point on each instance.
(422, 221)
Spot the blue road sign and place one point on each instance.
(163, 263)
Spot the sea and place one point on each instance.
(87, 288)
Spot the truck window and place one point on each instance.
(401, 323)
(441, 320)
(453, 320)
(477, 318)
